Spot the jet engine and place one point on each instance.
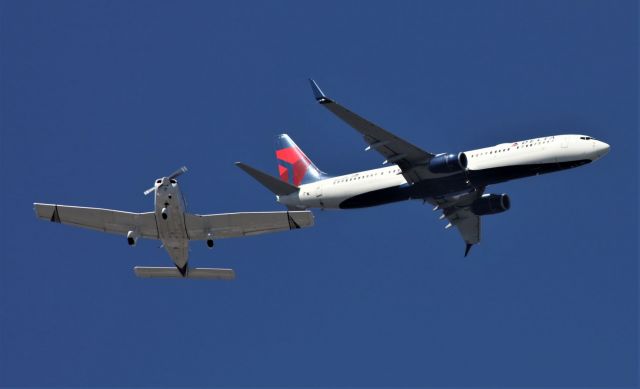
(448, 163)
(132, 238)
(490, 204)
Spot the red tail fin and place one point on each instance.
(294, 166)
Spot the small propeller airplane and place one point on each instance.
(171, 224)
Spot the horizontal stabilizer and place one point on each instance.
(270, 182)
(196, 273)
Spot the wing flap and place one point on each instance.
(457, 210)
(99, 219)
(230, 225)
(468, 224)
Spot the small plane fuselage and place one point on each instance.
(172, 231)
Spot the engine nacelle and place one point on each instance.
(490, 204)
(132, 238)
(448, 163)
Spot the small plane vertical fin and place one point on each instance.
(183, 269)
(56, 216)
(292, 223)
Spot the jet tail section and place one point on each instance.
(294, 166)
(270, 182)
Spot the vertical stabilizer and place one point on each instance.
(294, 166)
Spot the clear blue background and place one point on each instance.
(101, 98)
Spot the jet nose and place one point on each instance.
(601, 148)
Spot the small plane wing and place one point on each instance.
(457, 210)
(231, 225)
(105, 220)
(411, 159)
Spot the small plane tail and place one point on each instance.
(270, 182)
(194, 273)
(294, 166)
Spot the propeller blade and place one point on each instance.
(171, 176)
(178, 172)
(146, 192)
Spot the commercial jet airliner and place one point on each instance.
(174, 227)
(452, 182)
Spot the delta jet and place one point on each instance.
(454, 183)
(174, 227)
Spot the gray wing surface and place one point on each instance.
(231, 225)
(457, 210)
(99, 219)
(410, 158)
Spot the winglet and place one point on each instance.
(317, 92)
(466, 250)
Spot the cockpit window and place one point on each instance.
(586, 138)
(173, 181)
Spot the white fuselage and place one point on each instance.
(485, 166)
(170, 209)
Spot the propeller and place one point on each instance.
(171, 176)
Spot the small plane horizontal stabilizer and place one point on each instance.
(196, 273)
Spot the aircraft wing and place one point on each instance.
(230, 225)
(457, 210)
(105, 220)
(411, 159)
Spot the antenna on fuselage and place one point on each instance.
(170, 177)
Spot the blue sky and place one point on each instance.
(99, 98)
